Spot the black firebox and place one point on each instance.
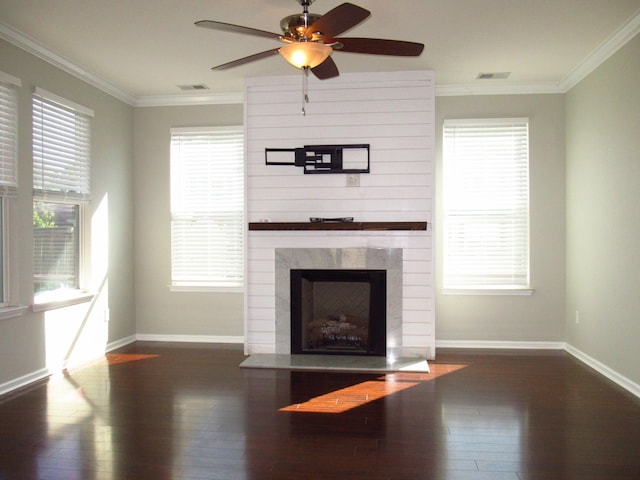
(339, 312)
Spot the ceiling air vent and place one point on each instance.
(493, 76)
(186, 88)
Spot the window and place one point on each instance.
(486, 205)
(207, 208)
(61, 184)
(8, 171)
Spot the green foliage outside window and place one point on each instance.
(42, 217)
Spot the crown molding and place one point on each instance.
(611, 45)
(200, 99)
(30, 45)
(606, 49)
(497, 89)
(33, 47)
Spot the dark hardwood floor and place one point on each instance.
(165, 411)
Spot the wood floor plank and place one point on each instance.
(180, 412)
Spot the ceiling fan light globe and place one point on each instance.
(305, 54)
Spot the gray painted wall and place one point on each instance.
(603, 213)
(160, 312)
(535, 318)
(36, 341)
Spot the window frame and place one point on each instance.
(79, 198)
(8, 194)
(212, 285)
(522, 230)
(4, 253)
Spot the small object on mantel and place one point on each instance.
(273, 226)
(320, 219)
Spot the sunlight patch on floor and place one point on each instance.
(351, 397)
(354, 396)
(115, 358)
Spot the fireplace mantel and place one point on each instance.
(379, 226)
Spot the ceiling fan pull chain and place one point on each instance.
(305, 89)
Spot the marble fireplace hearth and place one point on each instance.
(337, 363)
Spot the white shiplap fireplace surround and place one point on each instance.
(394, 114)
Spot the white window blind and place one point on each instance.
(61, 148)
(8, 135)
(61, 185)
(207, 207)
(486, 204)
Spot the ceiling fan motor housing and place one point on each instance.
(294, 26)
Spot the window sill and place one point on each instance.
(488, 291)
(11, 312)
(205, 289)
(60, 300)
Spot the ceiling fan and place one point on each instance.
(310, 39)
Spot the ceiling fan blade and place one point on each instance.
(338, 20)
(229, 27)
(327, 69)
(243, 60)
(378, 46)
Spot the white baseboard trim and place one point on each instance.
(600, 367)
(24, 380)
(43, 373)
(513, 345)
(120, 343)
(151, 337)
(82, 361)
(609, 373)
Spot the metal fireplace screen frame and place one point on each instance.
(338, 311)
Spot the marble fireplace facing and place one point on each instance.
(386, 259)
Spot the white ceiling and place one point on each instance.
(144, 49)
